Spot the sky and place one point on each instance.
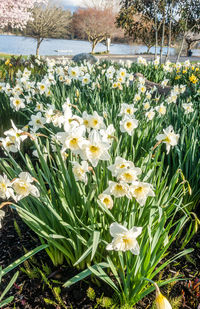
(72, 2)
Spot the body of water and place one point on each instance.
(19, 45)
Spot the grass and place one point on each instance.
(7, 56)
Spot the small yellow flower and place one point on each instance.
(7, 62)
(193, 79)
(197, 69)
(177, 77)
(192, 68)
(184, 71)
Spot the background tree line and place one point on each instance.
(149, 22)
(161, 22)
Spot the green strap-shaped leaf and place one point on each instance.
(82, 275)
(6, 301)
(10, 284)
(83, 256)
(96, 237)
(23, 258)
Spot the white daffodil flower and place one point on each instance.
(86, 119)
(37, 121)
(69, 120)
(164, 82)
(169, 138)
(121, 165)
(49, 113)
(39, 107)
(15, 134)
(172, 98)
(182, 88)
(86, 79)
(141, 80)
(80, 171)
(61, 137)
(108, 134)
(142, 88)
(178, 65)
(68, 81)
(186, 63)
(75, 139)
(23, 186)
(136, 98)
(57, 119)
(17, 90)
(42, 87)
(26, 73)
(127, 109)
(124, 239)
(106, 200)
(167, 68)
(111, 70)
(129, 175)
(17, 103)
(156, 61)
(5, 188)
(122, 72)
(188, 107)
(161, 109)
(148, 95)
(128, 125)
(96, 121)
(141, 60)
(140, 191)
(118, 189)
(146, 105)
(94, 149)
(10, 144)
(121, 79)
(150, 114)
(176, 89)
(74, 72)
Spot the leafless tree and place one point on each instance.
(48, 22)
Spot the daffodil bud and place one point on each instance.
(161, 301)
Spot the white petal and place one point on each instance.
(116, 229)
(136, 231)
(136, 249)
(109, 247)
(26, 177)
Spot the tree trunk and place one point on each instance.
(189, 45)
(182, 43)
(163, 40)
(170, 33)
(156, 28)
(148, 49)
(39, 41)
(181, 48)
(94, 43)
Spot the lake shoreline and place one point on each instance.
(20, 45)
